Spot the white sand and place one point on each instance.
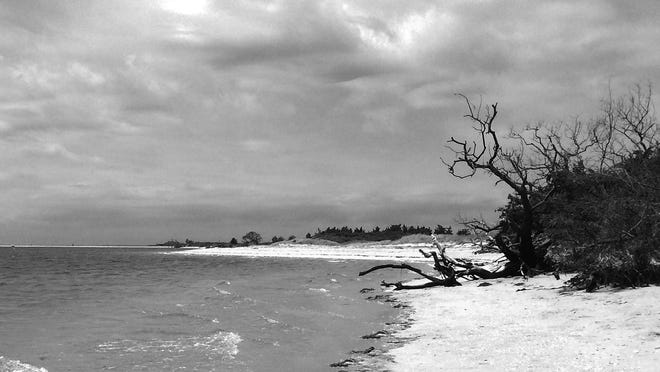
(498, 327)
(363, 251)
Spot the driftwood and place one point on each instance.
(450, 269)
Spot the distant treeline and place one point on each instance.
(393, 232)
(343, 234)
(193, 243)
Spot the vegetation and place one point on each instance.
(171, 243)
(584, 196)
(392, 232)
(339, 235)
(252, 238)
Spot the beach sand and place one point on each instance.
(510, 325)
(533, 325)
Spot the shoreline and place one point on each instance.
(374, 251)
(377, 356)
(387, 337)
(503, 324)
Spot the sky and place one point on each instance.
(135, 122)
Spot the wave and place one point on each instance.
(9, 365)
(221, 291)
(174, 315)
(220, 344)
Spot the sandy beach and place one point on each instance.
(506, 324)
(533, 325)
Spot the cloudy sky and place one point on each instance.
(131, 121)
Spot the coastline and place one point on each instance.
(396, 251)
(505, 324)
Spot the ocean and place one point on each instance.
(141, 309)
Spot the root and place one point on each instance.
(450, 269)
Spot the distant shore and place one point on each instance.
(406, 249)
(77, 246)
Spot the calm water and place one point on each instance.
(119, 309)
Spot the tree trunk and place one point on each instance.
(526, 248)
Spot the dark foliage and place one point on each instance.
(441, 230)
(171, 243)
(606, 225)
(252, 238)
(585, 196)
(346, 234)
(463, 232)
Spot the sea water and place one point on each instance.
(121, 309)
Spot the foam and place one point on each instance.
(222, 344)
(9, 365)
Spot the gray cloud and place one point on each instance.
(142, 122)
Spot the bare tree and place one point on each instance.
(627, 125)
(449, 270)
(546, 157)
(526, 175)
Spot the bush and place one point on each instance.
(606, 225)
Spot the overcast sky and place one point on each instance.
(131, 121)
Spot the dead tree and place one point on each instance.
(513, 167)
(525, 175)
(449, 270)
(536, 170)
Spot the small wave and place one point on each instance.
(322, 290)
(181, 314)
(221, 291)
(270, 320)
(337, 315)
(9, 365)
(222, 344)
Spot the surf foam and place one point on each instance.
(9, 365)
(223, 344)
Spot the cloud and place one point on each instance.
(56, 151)
(207, 117)
(85, 74)
(257, 145)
